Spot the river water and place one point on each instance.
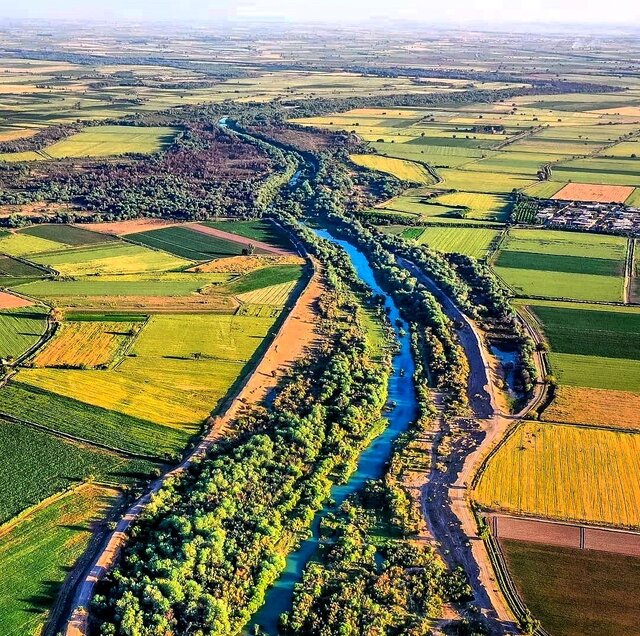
(373, 460)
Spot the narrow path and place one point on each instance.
(445, 494)
(629, 271)
(273, 365)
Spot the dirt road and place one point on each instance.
(445, 494)
(297, 334)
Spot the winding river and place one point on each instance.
(373, 460)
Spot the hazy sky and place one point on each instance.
(427, 11)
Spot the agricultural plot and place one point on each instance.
(61, 291)
(21, 244)
(590, 192)
(67, 234)
(187, 243)
(83, 421)
(245, 264)
(275, 295)
(37, 553)
(576, 592)
(21, 329)
(87, 344)
(475, 242)
(176, 374)
(258, 230)
(485, 207)
(111, 258)
(104, 141)
(617, 374)
(598, 407)
(54, 465)
(399, 168)
(571, 265)
(14, 272)
(566, 472)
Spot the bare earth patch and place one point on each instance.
(122, 228)
(594, 193)
(10, 301)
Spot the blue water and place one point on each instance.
(373, 460)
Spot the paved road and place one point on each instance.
(445, 494)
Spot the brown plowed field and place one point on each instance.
(122, 228)
(10, 301)
(595, 193)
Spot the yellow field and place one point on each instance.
(476, 202)
(400, 168)
(86, 344)
(16, 244)
(179, 369)
(273, 295)
(566, 472)
(577, 405)
(246, 264)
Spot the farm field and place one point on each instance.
(589, 192)
(187, 243)
(185, 372)
(21, 244)
(566, 472)
(576, 592)
(37, 553)
(617, 374)
(87, 344)
(67, 234)
(15, 272)
(599, 407)
(400, 168)
(111, 258)
(554, 264)
(54, 465)
(258, 230)
(104, 141)
(475, 242)
(21, 329)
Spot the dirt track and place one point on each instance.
(296, 335)
(445, 493)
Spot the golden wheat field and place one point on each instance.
(566, 472)
(601, 407)
(86, 344)
(400, 168)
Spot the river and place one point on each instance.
(374, 459)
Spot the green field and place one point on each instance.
(20, 329)
(609, 334)
(170, 284)
(617, 374)
(67, 234)
(265, 277)
(95, 424)
(21, 244)
(577, 592)
(53, 465)
(258, 230)
(185, 364)
(15, 272)
(188, 243)
(112, 258)
(474, 242)
(37, 553)
(105, 141)
(570, 265)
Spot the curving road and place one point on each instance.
(445, 495)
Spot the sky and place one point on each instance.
(424, 11)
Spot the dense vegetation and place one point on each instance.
(213, 540)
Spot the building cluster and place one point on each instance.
(596, 217)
